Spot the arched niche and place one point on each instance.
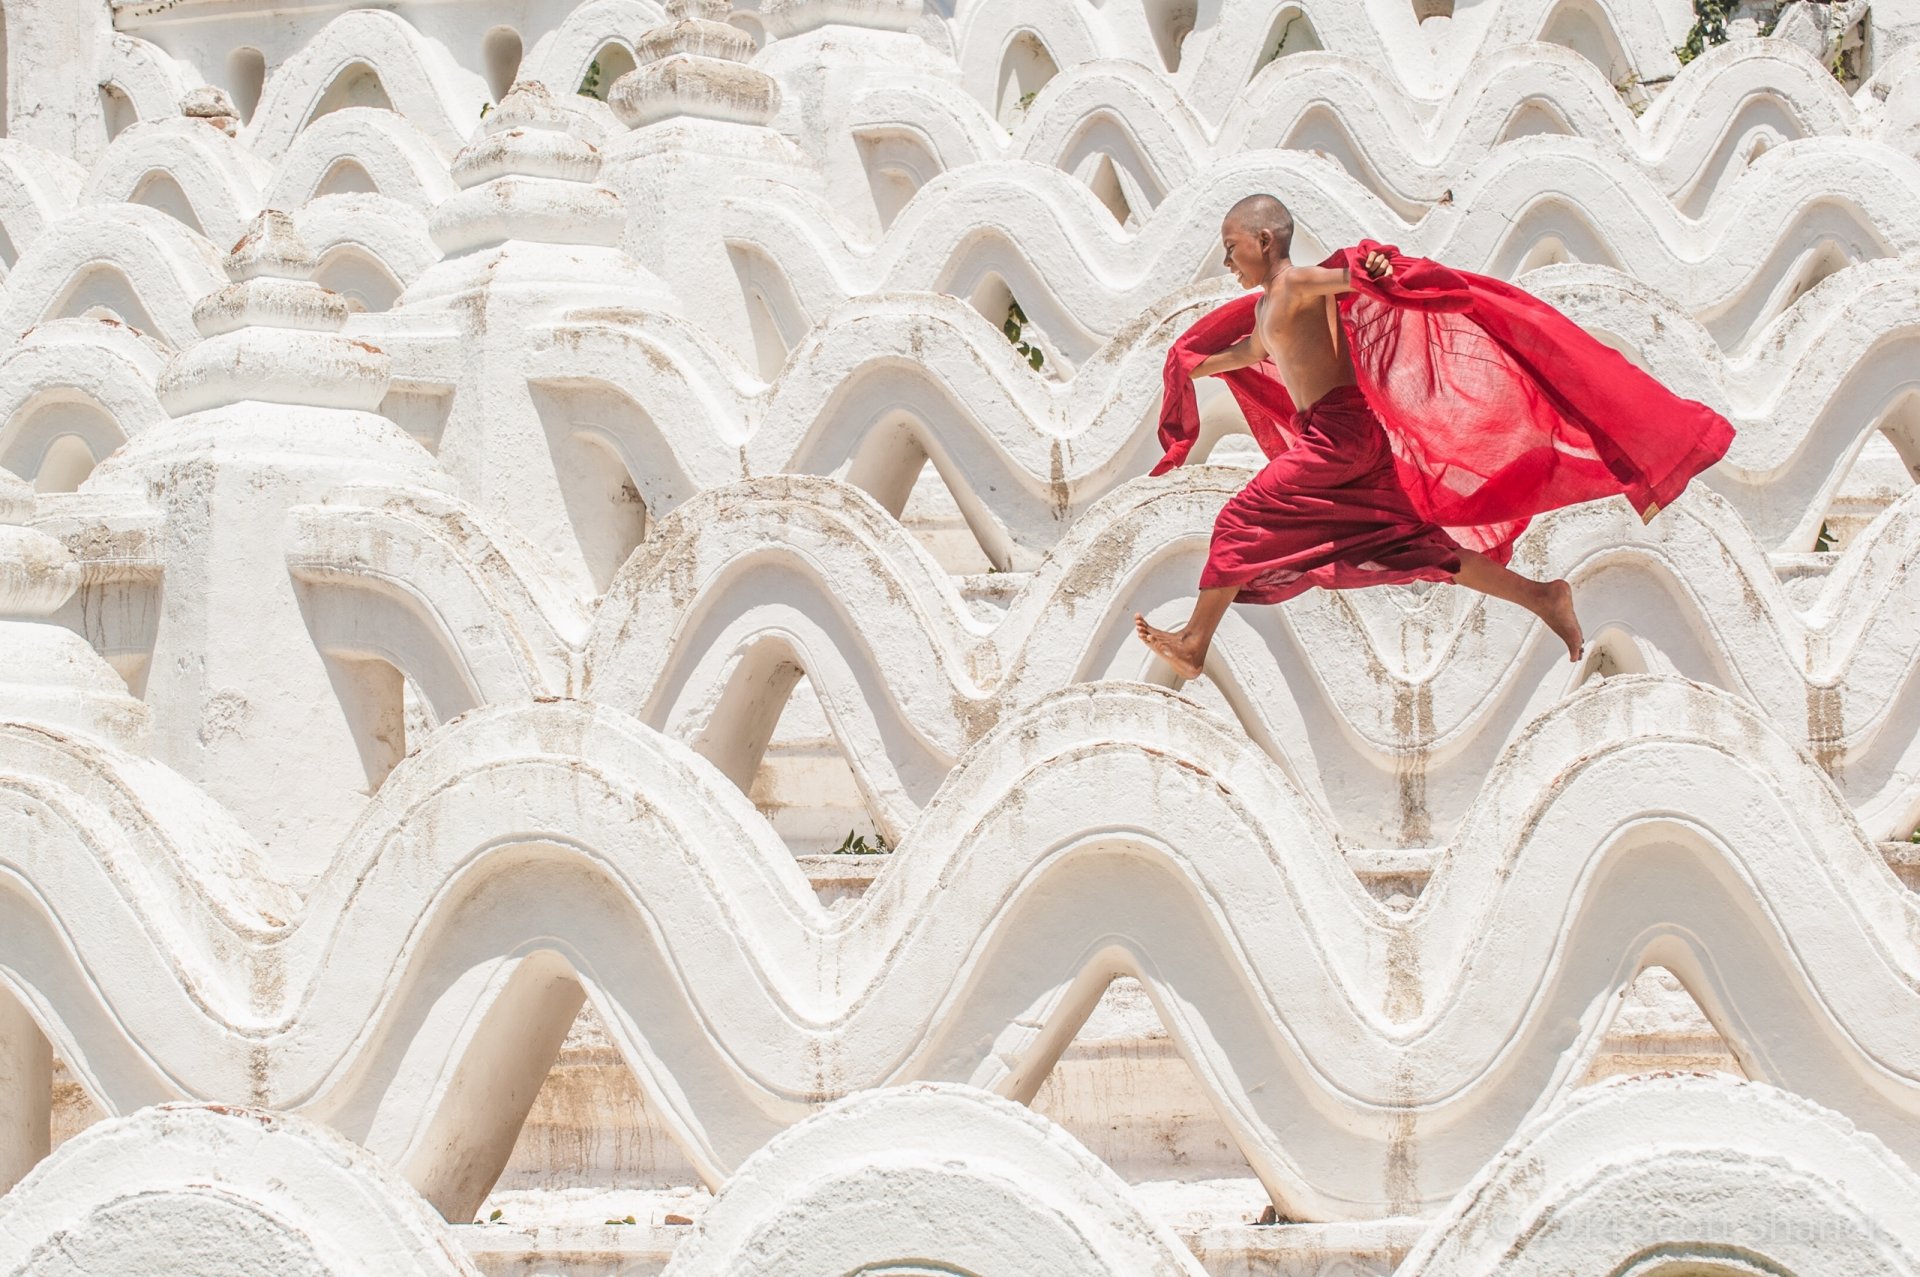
(159, 190)
(246, 78)
(610, 61)
(359, 277)
(501, 52)
(1024, 69)
(358, 84)
(116, 110)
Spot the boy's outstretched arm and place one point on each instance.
(1329, 281)
(1242, 354)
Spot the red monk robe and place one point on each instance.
(1478, 407)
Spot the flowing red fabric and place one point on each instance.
(1495, 406)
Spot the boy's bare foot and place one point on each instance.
(1557, 612)
(1176, 650)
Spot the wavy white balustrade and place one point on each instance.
(1720, 113)
(1025, 453)
(531, 856)
(1231, 42)
(1025, 456)
(530, 852)
(1385, 709)
(209, 170)
(1080, 278)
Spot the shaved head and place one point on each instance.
(1258, 213)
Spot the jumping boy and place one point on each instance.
(1443, 410)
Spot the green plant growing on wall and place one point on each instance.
(856, 844)
(1013, 326)
(590, 86)
(1842, 67)
(1280, 46)
(1709, 28)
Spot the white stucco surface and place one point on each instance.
(494, 493)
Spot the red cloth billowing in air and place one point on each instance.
(1495, 407)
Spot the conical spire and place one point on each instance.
(50, 673)
(532, 174)
(696, 65)
(273, 334)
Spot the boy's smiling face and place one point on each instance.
(1246, 257)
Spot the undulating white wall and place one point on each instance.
(494, 494)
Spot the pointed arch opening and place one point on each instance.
(491, 1089)
(590, 1129)
(1124, 1089)
(1548, 250)
(65, 465)
(1533, 118)
(359, 277)
(604, 505)
(994, 298)
(1290, 32)
(805, 785)
(770, 347)
(771, 734)
(1170, 22)
(346, 177)
(1105, 182)
(1821, 262)
(897, 164)
(358, 84)
(1105, 1064)
(372, 695)
(159, 190)
(116, 110)
(246, 79)
(932, 513)
(501, 51)
(1877, 476)
(776, 320)
(1549, 233)
(590, 438)
(103, 292)
(901, 465)
(1581, 26)
(1025, 69)
(1901, 426)
(1659, 1027)
(1321, 132)
(609, 62)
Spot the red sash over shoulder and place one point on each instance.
(1497, 406)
